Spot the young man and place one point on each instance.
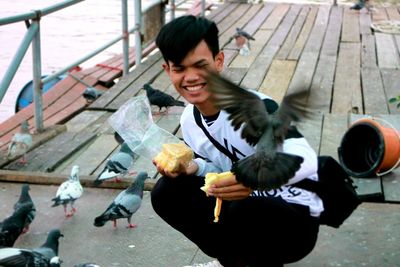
(255, 228)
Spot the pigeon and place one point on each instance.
(20, 143)
(91, 94)
(117, 166)
(49, 248)
(18, 257)
(69, 191)
(267, 168)
(161, 99)
(359, 5)
(242, 39)
(11, 227)
(26, 198)
(125, 204)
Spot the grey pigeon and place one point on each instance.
(20, 143)
(240, 32)
(18, 257)
(242, 39)
(11, 228)
(267, 168)
(26, 198)
(117, 166)
(49, 248)
(68, 192)
(161, 99)
(91, 94)
(125, 204)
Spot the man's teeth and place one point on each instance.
(194, 88)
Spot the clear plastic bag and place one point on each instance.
(134, 123)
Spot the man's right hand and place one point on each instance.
(190, 169)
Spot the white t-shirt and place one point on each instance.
(215, 161)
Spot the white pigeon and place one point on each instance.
(125, 204)
(117, 166)
(69, 191)
(20, 143)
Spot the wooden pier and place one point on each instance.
(351, 71)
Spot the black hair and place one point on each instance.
(183, 34)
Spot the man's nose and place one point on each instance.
(191, 75)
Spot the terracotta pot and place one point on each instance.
(369, 149)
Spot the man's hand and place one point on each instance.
(190, 169)
(229, 189)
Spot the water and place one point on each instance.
(66, 36)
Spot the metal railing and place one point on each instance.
(32, 21)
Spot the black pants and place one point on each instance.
(256, 231)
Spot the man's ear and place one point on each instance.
(166, 67)
(219, 61)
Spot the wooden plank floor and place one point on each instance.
(350, 71)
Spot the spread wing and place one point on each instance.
(243, 106)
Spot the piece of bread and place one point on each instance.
(172, 155)
(211, 178)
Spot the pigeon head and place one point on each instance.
(25, 188)
(74, 173)
(25, 127)
(138, 183)
(52, 240)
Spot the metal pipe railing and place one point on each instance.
(37, 74)
(43, 12)
(17, 59)
(138, 34)
(125, 36)
(85, 58)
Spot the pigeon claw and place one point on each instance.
(23, 160)
(131, 225)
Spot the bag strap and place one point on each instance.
(196, 114)
(307, 184)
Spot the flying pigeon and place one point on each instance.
(49, 248)
(117, 166)
(20, 143)
(26, 198)
(69, 191)
(125, 204)
(161, 99)
(16, 257)
(91, 94)
(11, 228)
(267, 168)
